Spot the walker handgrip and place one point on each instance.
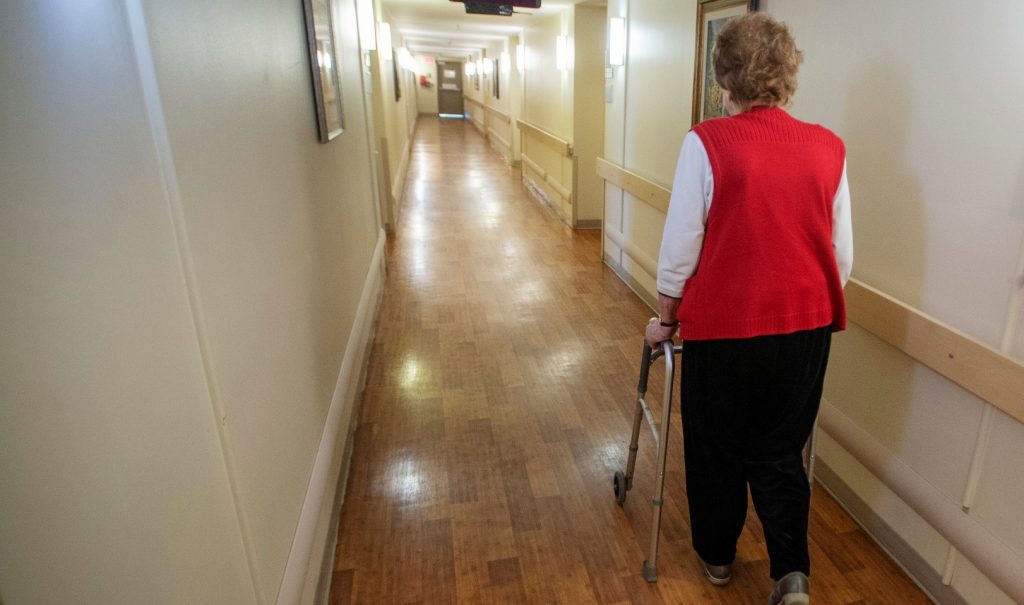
(645, 367)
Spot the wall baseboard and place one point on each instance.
(335, 443)
(929, 580)
(590, 223)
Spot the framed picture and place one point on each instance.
(712, 15)
(394, 74)
(494, 76)
(323, 63)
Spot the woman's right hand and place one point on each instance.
(657, 333)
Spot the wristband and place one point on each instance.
(669, 325)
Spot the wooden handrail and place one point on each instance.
(651, 193)
(973, 365)
(564, 147)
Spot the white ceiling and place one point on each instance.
(442, 27)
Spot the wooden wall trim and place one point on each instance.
(534, 166)
(974, 366)
(546, 176)
(642, 189)
(564, 147)
(504, 117)
(494, 135)
(647, 263)
(558, 187)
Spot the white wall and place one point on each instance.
(922, 98)
(935, 173)
(176, 310)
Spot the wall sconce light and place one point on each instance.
(480, 66)
(385, 40)
(488, 68)
(406, 60)
(617, 41)
(506, 65)
(470, 68)
(367, 29)
(560, 53)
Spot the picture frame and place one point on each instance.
(323, 62)
(396, 79)
(496, 92)
(711, 16)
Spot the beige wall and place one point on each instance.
(177, 302)
(565, 103)
(547, 90)
(395, 120)
(426, 98)
(473, 92)
(935, 173)
(499, 119)
(588, 111)
(501, 102)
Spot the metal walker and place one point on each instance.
(622, 482)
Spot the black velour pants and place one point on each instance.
(748, 408)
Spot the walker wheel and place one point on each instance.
(619, 486)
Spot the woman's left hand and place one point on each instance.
(657, 333)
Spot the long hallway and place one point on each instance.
(498, 405)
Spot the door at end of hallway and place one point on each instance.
(449, 90)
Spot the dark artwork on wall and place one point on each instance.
(323, 64)
(394, 72)
(497, 88)
(711, 16)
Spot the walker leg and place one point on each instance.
(634, 442)
(650, 568)
(650, 573)
(623, 482)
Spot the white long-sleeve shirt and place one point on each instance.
(692, 189)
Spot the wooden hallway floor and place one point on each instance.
(498, 405)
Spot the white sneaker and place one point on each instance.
(719, 575)
(791, 589)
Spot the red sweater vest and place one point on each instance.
(767, 265)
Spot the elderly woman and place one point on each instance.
(756, 250)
